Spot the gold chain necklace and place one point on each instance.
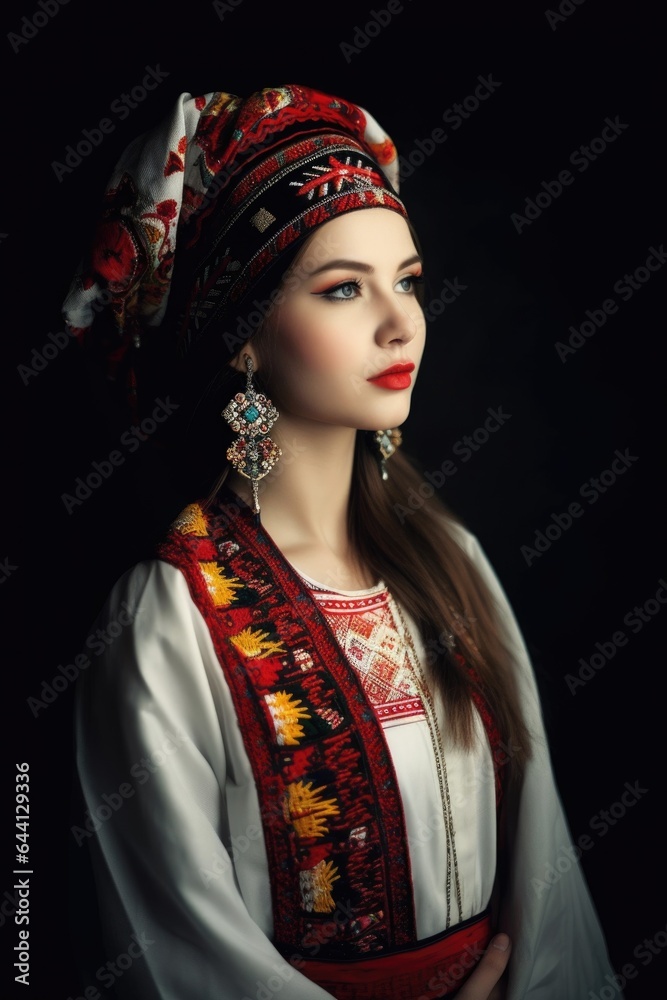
(441, 767)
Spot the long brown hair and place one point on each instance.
(427, 570)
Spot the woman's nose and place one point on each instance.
(399, 320)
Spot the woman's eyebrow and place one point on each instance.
(332, 265)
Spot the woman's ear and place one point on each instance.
(239, 363)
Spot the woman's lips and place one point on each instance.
(398, 380)
(396, 377)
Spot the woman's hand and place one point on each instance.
(484, 983)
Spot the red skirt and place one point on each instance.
(436, 967)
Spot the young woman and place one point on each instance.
(317, 733)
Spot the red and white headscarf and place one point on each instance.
(236, 184)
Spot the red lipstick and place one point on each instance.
(395, 377)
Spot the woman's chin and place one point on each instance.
(392, 415)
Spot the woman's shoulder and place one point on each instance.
(148, 578)
(465, 538)
(149, 641)
(149, 573)
(149, 596)
(458, 531)
(471, 545)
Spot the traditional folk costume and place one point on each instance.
(294, 821)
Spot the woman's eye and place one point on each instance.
(346, 290)
(409, 282)
(349, 290)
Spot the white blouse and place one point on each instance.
(179, 856)
(368, 626)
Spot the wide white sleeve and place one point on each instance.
(178, 851)
(558, 949)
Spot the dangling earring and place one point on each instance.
(251, 415)
(387, 442)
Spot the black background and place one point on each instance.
(493, 347)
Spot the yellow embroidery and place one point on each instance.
(222, 103)
(220, 587)
(191, 521)
(316, 885)
(153, 233)
(286, 711)
(254, 643)
(305, 809)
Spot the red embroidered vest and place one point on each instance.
(330, 804)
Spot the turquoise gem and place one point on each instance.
(251, 414)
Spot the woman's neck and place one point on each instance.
(304, 502)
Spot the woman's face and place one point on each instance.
(347, 312)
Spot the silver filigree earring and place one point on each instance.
(387, 442)
(251, 415)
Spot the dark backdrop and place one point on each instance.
(555, 80)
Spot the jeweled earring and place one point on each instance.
(251, 415)
(387, 442)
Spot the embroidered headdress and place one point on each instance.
(238, 184)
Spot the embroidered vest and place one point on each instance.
(329, 799)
